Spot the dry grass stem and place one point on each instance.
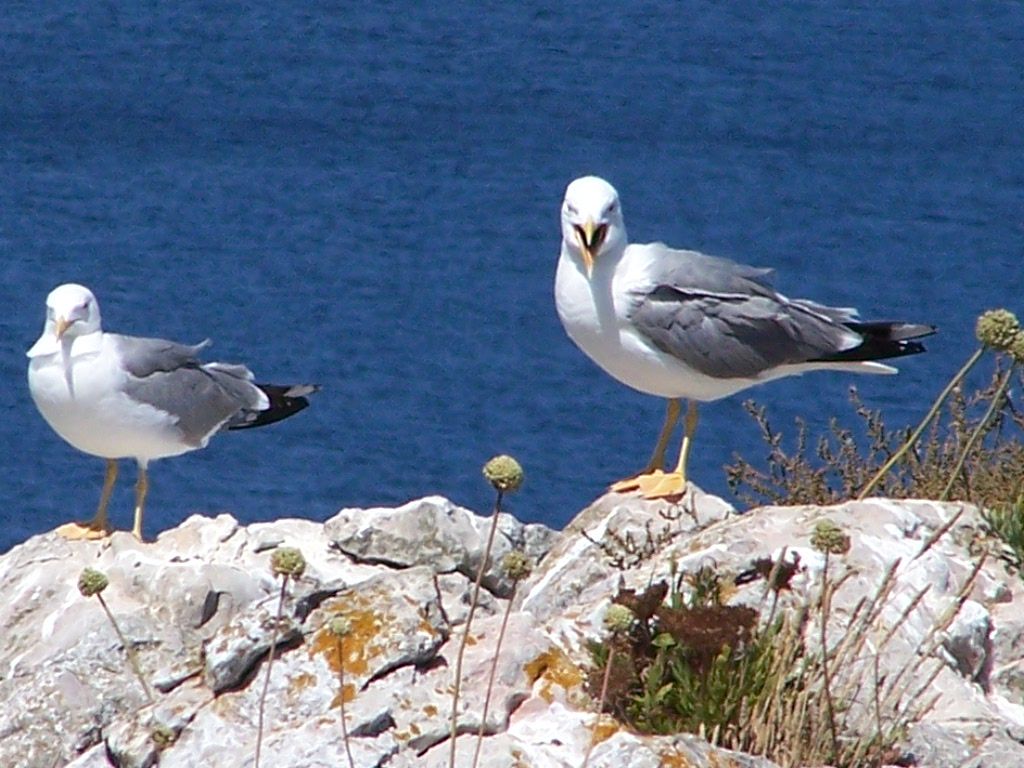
(469, 621)
(129, 650)
(270, 666)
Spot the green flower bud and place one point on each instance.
(339, 626)
(997, 328)
(288, 561)
(829, 537)
(163, 736)
(516, 565)
(663, 640)
(91, 582)
(504, 473)
(618, 619)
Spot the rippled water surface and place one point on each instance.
(366, 196)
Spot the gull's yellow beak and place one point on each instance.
(585, 237)
(62, 325)
(589, 246)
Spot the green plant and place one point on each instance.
(288, 563)
(340, 627)
(517, 567)
(1006, 523)
(506, 476)
(618, 620)
(683, 664)
(92, 583)
(769, 682)
(829, 539)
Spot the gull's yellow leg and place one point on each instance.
(141, 488)
(690, 428)
(98, 528)
(100, 521)
(657, 461)
(662, 485)
(671, 418)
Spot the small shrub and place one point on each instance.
(973, 451)
(1006, 523)
(767, 682)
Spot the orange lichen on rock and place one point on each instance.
(359, 645)
(348, 693)
(553, 667)
(604, 729)
(426, 626)
(301, 682)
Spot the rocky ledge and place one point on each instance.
(199, 607)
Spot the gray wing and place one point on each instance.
(725, 320)
(200, 397)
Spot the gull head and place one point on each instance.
(71, 311)
(592, 223)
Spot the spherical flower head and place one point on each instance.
(288, 561)
(1017, 348)
(92, 582)
(516, 565)
(829, 537)
(339, 626)
(618, 619)
(998, 328)
(504, 473)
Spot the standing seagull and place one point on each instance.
(684, 325)
(129, 397)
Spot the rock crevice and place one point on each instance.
(199, 606)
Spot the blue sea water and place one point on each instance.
(366, 196)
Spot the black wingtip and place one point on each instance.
(285, 401)
(883, 341)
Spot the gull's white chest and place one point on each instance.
(590, 309)
(594, 313)
(81, 396)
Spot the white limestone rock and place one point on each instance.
(198, 606)
(436, 533)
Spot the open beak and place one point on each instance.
(61, 326)
(590, 237)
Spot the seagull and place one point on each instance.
(684, 325)
(121, 397)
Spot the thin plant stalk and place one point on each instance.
(826, 599)
(469, 621)
(270, 666)
(491, 676)
(929, 417)
(600, 703)
(976, 434)
(133, 660)
(341, 699)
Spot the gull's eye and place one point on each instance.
(611, 208)
(571, 209)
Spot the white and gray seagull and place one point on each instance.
(687, 326)
(122, 397)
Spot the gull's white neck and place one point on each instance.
(67, 347)
(591, 308)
